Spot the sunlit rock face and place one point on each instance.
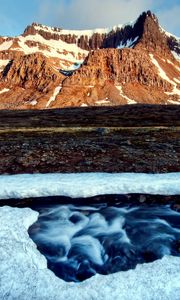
(128, 64)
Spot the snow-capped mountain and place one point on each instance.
(48, 67)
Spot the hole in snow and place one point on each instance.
(80, 241)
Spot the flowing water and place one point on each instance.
(80, 241)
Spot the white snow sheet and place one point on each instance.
(128, 44)
(55, 48)
(6, 45)
(24, 274)
(4, 91)
(3, 63)
(87, 184)
(53, 97)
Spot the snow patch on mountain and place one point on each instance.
(176, 38)
(3, 63)
(177, 80)
(4, 91)
(129, 101)
(6, 45)
(33, 102)
(161, 71)
(176, 55)
(174, 102)
(168, 33)
(170, 62)
(103, 101)
(163, 75)
(128, 44)
(53, 97)
(52, 48)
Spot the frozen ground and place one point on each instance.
(24, 274)
(87, 184)
(23, 270)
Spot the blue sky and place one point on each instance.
(15, 15)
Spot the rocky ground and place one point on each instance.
(120, 139)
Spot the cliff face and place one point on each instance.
(127, 64)
(115, 76)
(30, 80)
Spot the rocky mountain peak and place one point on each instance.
(151, 37)
(49, 67)
(145, 33)
(44, 31)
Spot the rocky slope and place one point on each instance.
(140, 138)
(50, 67)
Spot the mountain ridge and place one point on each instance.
(127, 64)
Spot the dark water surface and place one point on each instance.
(80, 241)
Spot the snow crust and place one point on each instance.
(174, 102)
(33, 102)
(169, 34)
(3, 63)
(24, 274)
(161, 71)
(4, 91)
(128, 44)
(53, 97)
(103, 101)
(87, 184)
(65, 52)
(6, 45)
(54, 45)
(176, 56)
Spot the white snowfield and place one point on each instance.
(87, 184)
(24, 274)
(55, 48)
(53, 97)
(6, 45)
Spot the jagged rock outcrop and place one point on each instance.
(152, 38)
(33, 70)
(31, 81)
(119, 66)
(110, 71)
(174, 44)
